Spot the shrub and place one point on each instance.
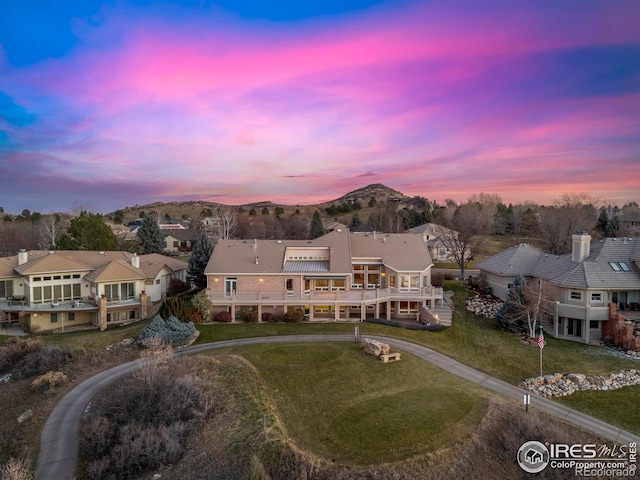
(194, 315)
(29, 357)
(295, 315)
(171, 331)
(202, 303)
(268, 317)
(139, 426)
(223, 317)
(248, 315)
(174, 307)
(437, 279)
(49, 381)
(449, 276)
(16, 469)
(177, 286)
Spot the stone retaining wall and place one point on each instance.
(484, 306)
(559, 385)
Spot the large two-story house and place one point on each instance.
(339, 276)
(51, 290)
(582, 283)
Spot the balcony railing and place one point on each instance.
(355, 296)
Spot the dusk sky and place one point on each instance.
(112, 104)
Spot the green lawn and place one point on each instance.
(348, 406)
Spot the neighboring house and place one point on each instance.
(583, 282)
(50, 290)
(431, 234)
(333, 225)
(211, 223)
(339, 276)
(171, 226)
(180, 240)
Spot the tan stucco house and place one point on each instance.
(50, 290)
(340, 276)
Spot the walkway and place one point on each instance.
(59, 440)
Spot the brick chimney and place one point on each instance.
(581, 246)
(23, 257)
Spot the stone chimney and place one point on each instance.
(135, 260)
(581, 246)
(23, 257)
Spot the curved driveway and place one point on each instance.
(59, 440)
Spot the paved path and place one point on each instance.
(59, 440)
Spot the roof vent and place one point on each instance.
(99, 253)
(51, 252)
(278, 241)
(338, 229)
(257, 258)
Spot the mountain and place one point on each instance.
(363, 195)
(197, 209)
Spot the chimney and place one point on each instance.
(135, 260)
(581, 246)
(23, 257)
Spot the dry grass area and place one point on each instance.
(22, 440)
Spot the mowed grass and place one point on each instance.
(617, 407)
(349, 407)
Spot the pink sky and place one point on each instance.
(528, 100)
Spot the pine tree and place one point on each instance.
(150, 235)
(198, 262)
(317, 229)
(88, 232)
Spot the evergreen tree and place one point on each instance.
(198, 262)
(150, 235)
(88, 232)
(265, 211)
(317, 229)
(118, 216)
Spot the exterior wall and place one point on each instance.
(499, 285)
(41, 321)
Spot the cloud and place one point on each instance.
(170, 102)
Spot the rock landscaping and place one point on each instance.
(484, 306)
(559, 385)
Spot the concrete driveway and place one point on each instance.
(59, 440)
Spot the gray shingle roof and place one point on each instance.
(594, 272)
(519, 259)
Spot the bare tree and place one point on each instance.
(570, 214)
(51, 226)
(228, 223)
(464, 235)
(526, 306)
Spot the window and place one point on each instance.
(57, 277)
(66, 277)
(392, 280)
(76, 275)
(127, 291)
(46, 292)
(6, 288)
(596, 297)
(594, 324)
(71, 316)
(46, 278)
(575, 295)
(322, 285)
(37, 294)
(76, 290)
(510, 286)
(111, 292)
(338, 284)
(288, 285)
(54, 318)
(407, 308)
(57, 292)
(620, 266)
(37, 279)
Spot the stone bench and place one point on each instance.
(389, 357)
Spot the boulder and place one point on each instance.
(576, 378)
(25, 416)
(374, 347)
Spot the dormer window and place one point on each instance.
(619, 266)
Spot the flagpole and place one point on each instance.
(541, 346)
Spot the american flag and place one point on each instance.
(541, 340)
